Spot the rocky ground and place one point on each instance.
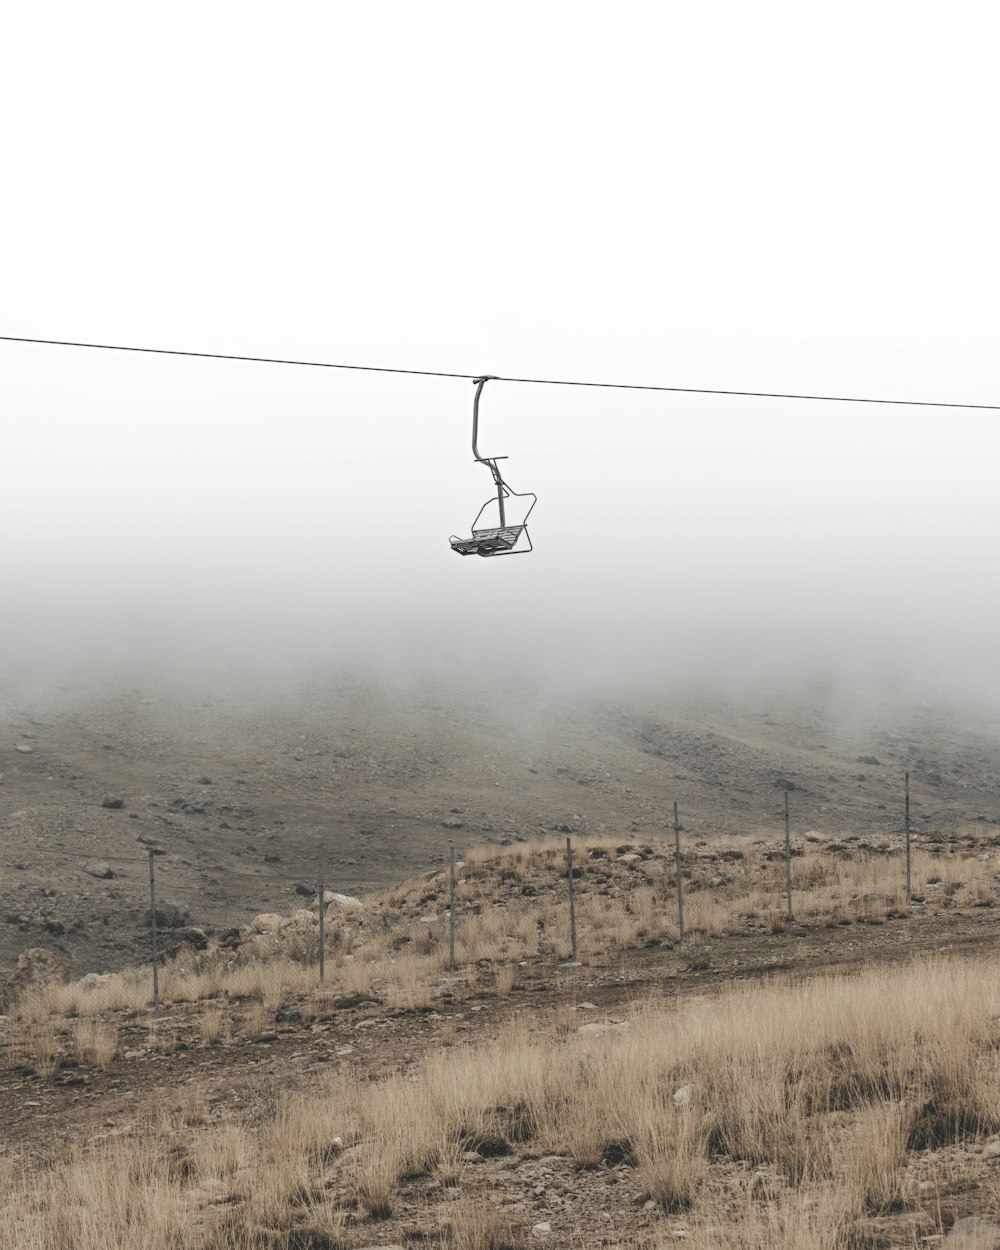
(175, 1071)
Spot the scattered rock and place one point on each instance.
(451, 822)
(541, 1230)
(973, 1233)
(24, 748)
(112, 802)
(98, 868)
(169, 915)
(682, 1096)
(336, 902)
(38, 968)
(94, 980)
(268, 922)
(762, 1186)
(196, 939)
(605, 1026)
(867, 759)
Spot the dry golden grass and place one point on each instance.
(826, 1085)
(42, 1050)
(477, 1225)
(95, 1042)
(874, 1153)
(192, 1109)
(671, 1152)
(254, 1019)
(216, 1028)
(505, 976)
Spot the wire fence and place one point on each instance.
(587, 899)
(582, 895)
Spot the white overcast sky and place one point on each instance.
(763, 196)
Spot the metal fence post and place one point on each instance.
(322, 916)
(680, 880)
(152, 926)
(788, 862)
(451, 912)
(572, 901)
(906, 824)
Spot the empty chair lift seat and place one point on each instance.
(495, 540)
(488, 542)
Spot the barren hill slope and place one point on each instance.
(239, 795)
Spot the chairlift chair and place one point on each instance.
(504, 538)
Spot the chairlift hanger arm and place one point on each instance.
(479, 383)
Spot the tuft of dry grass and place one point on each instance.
(874, 1153)
(216, 1027)
(478, 1225)
(255, 1019)
(192, 1107)
(95, 1042)
(671, 1152)
(505, 975)
(44, 1052)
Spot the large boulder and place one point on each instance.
(169, 915)
(94, 980)
(185, 943)
(37, 969)
(98, 868)
(337, 902)
(303, 919)
(268, 922)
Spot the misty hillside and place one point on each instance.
(237, 794)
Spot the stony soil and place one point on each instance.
(245, 1076)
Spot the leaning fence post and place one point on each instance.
(451, 912)
(788, 862)
(322, 916)
(680, 880)
(152, 926)
(906, 824)
(572, 901)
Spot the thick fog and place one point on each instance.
(719, 199)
